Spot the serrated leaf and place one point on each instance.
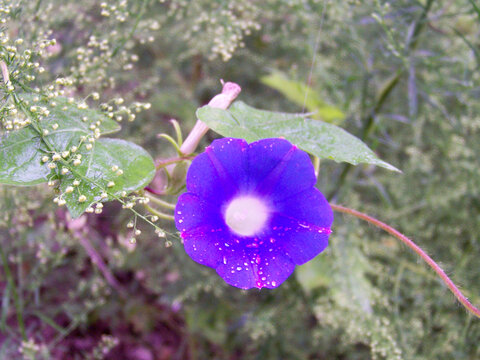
(324, 140)
(95, 172)
(304, 95)
(21, 150)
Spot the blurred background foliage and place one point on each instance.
(402, 75)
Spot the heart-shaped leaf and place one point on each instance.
(324, 140)
(126, 165)
(21, 150)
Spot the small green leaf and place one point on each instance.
(21, 150)
(324, 140)
(304, 95)
(99, 167)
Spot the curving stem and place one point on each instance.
(453, 288)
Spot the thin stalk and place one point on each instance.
(140, 13)
(178, 131)
(450, 284)
(158, 213)
(159, 202)
(11, 282)
(316, 165)
(171, 141)
(160, 164)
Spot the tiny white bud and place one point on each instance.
(82, 198)
(69, 189)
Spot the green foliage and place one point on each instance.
(21, 151)
(304, 96)
(99, 174)
(323, 140)
(62, 146)
(21, 158)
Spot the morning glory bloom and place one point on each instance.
(251, 211)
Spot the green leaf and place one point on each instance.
(21, 150)
(74, 120)
(323, 140)
(20, 158)
(95, 172)
(304, 95)
(21, 153)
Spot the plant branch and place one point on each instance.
(158, 213)
(453, 288)
(159, 202)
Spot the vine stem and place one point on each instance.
(453, 288)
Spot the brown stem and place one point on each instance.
(453, 288)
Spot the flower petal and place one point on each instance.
(300, 240)
(308, 206)
(263, 156)
(275, 165)
(237, 270)
(217, 173)
(192, 212)
(273, 269)
(246, 268)
(207, 246)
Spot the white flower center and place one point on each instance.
(246, 215)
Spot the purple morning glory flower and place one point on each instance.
(252, 212)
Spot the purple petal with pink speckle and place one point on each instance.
(279, 174)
